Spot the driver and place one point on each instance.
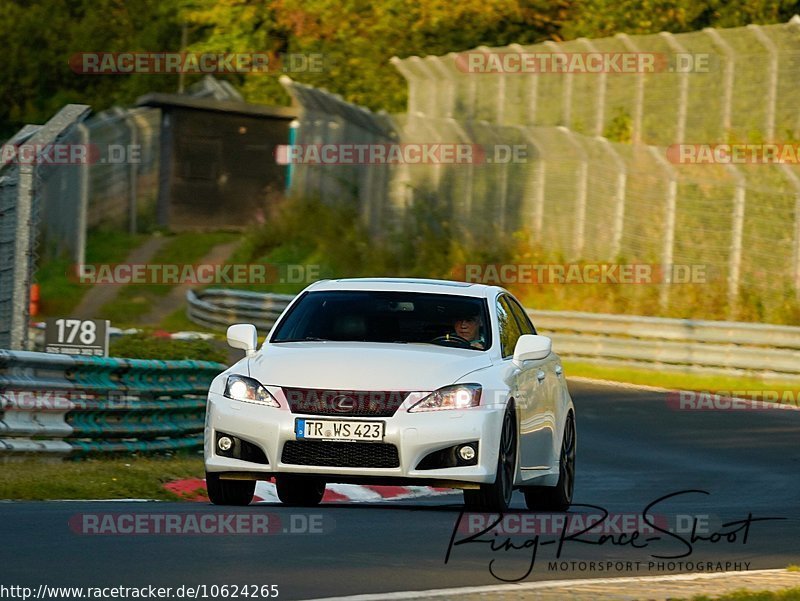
(468, 327)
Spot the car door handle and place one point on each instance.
(559, 370)
(540, 375)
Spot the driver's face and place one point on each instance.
(467, 328)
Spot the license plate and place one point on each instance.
(337, 429)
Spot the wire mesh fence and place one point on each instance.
(608, 171)
(115, 187)
(328, 119)
(26, 170)
(710, 85)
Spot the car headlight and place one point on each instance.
(248, 390)
(459, 396)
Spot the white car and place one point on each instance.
(394, 381)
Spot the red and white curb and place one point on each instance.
(194, 489)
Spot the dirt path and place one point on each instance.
(176, 298)
(101, 294)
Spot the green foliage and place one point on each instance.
(60, 292)
(355, 37)
(40, 36)
(332, 239)
(119, 478)
(620, 128)
(147, 346)
(135, 301)
(603, 18)
(672, 380)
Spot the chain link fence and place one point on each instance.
(115, 188)
(328, 119)
(59, 180)
(602, 180)
(21, 199)
(710, 85)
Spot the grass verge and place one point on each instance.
(789, 594)
(677, 381)
(135, 300)
(60, 292)
(123, 478)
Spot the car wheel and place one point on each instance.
(558, 497)
(229, 492)
(497, 496)
(300, 491)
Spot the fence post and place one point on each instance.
(669, 233)
(464, 138)
(792, 176)
(133, 174)
(638, 101)
(727, 78)
(735, 260)
(794, 25)
(580, 197)
(413, 92)
(501, 89)
(600, 101)
(772, 87)
(566, 95)
(683, 93)
(619, 199)
(532, 79)
(23, 257)
(27, 221)
(430, 109)
(83, 206)
(536, 180)
(447, 74)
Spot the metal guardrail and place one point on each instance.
(679, 345)
(217, 308)
(60, 404)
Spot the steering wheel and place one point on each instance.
(452, 340)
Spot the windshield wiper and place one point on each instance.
(306, 339)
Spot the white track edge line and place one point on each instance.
(585, 380)
(515, 588)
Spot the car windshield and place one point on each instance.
(391, 317)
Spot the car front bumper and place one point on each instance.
(415, 435)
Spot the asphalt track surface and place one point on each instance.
(633, 448)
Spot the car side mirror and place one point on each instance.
(532, 346)
(243, 336)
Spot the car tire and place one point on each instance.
(558, 497)
(299, 491)
(229, 492)
(497, 496)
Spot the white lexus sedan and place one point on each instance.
(394, 382)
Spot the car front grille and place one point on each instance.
(344, 403)
(340, 454)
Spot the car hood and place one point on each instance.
(363, 366)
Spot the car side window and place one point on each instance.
(508, 327)
(523, 320)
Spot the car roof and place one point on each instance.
(429, 286)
